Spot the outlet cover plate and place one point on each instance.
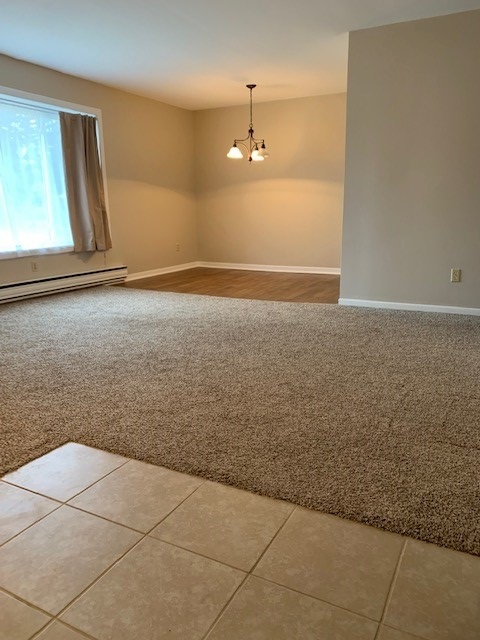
(455, 275)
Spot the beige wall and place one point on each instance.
(412, 191)
(149, 162)
(286, 210)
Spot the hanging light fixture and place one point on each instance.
(255, 147)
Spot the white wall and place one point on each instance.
(412, 189)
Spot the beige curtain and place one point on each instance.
(84, 182)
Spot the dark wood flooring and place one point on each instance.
(256, 285)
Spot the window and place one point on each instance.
(33, 203)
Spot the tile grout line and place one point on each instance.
(94, 582)
(309, 595)
(44, 495)
(273, 539)
(201, 480)
(36, 493)
(99, 479)
(50, 624)
(51, 617)
(56, 617)
(59, 503)
(148, 534)
(46, 626)
(23, 601)
(101, 575)
(121, 524)
(96, 515)
(59, 506)
(143, 535)
(391, 588)
(230, 566)
(247, 575)
(225, 606)
(197, 553)
(178, 505)
(413, 635)
(302, 593)
(172, 544)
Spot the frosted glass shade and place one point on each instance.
(263, 152)
(235, 153)
(256, 156)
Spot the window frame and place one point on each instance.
(55, 105)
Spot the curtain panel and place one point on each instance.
(84, 183)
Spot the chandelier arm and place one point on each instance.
(237, 142)
(241, 139)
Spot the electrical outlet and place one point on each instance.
(455, 275)
(178, 246)
(34, 266)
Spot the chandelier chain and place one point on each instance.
(251, 109)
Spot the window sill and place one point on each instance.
(13, 255)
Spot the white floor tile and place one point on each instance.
(65, 471)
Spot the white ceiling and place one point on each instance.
(200, 53)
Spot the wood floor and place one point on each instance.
(256, 285)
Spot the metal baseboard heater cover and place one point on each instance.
(57, 284)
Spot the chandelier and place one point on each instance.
(255, 147)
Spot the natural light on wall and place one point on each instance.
(34, 214)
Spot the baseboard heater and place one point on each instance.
(57, 284)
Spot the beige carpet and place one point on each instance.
(371, 415)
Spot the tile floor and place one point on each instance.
(93, 545)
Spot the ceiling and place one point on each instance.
(199, 54)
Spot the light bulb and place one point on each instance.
(235, 153)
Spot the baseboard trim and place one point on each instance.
(274, 268)
(158, 272)
(270, 267)
(408, 306)
(61, 283)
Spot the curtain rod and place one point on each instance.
(37, 106)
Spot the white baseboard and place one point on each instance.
(270, 267)
(57, 284)
(232, 265)
(158, 272)
(408, 306)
